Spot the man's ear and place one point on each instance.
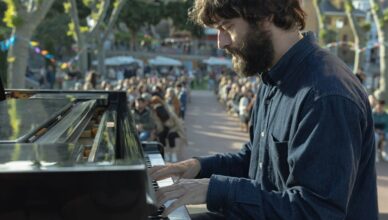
(267, 22)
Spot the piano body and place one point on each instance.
(72, 155)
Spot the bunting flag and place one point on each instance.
(6, 44)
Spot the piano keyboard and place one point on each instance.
(154, 159)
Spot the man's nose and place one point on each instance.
(223, 39)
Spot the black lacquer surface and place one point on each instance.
(21, 117)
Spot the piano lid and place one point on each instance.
(21, 118)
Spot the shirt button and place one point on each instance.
(262, 134)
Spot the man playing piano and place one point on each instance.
(311, 151)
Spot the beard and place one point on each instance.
(254, 54)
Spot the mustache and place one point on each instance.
(234, 51)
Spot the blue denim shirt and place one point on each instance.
(311, 151)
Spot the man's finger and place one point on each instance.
(163, 198)
(164, 172)
(174, 205)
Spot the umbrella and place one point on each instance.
(164, 61)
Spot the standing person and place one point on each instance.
(182, 96)
(380, 119)
(50, 76)
(311, 151)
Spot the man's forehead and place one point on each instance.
(220, 22)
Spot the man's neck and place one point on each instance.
(283, 41)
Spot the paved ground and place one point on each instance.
(210, 131)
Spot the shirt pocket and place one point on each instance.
(278, 154)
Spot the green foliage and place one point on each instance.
(348, 6)
(328, 35)
(4, 33)
(138, 13)
(67, 7)
(53, 29)
(385, 15)
(375, 7)
(83, 12)
(11, 18)
(122, 36)
(177, 11)
(366, 26)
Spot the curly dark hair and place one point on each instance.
(285, 14)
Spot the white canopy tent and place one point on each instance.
(164, 61)
(120, 60)
(218, 61)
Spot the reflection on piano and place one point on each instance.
(72, 155)
(2, 92)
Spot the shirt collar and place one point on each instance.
(290, 61)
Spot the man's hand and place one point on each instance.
(187, 169)
(186, 191)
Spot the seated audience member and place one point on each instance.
(143, 119)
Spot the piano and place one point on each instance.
(75, 155)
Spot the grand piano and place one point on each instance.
(75, 155)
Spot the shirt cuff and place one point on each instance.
(206, 166)
(220, 193)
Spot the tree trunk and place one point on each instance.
(18, 58)
(80, 38)
(83, 56)
(101, 60)
(101, 37)
(357, 34)
(382, 91)
(133, 41)
(19, 52)
(321, 22)
(382, 32)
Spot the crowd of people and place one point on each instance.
(238, 95)
(380, 119)
(158, 105)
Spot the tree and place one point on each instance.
(4, 33)
(53, 29)
(177, 11)
(380, 18)
(139, 14)
(325, 34)
(358, 33)
(98, 27)
(23, 17)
